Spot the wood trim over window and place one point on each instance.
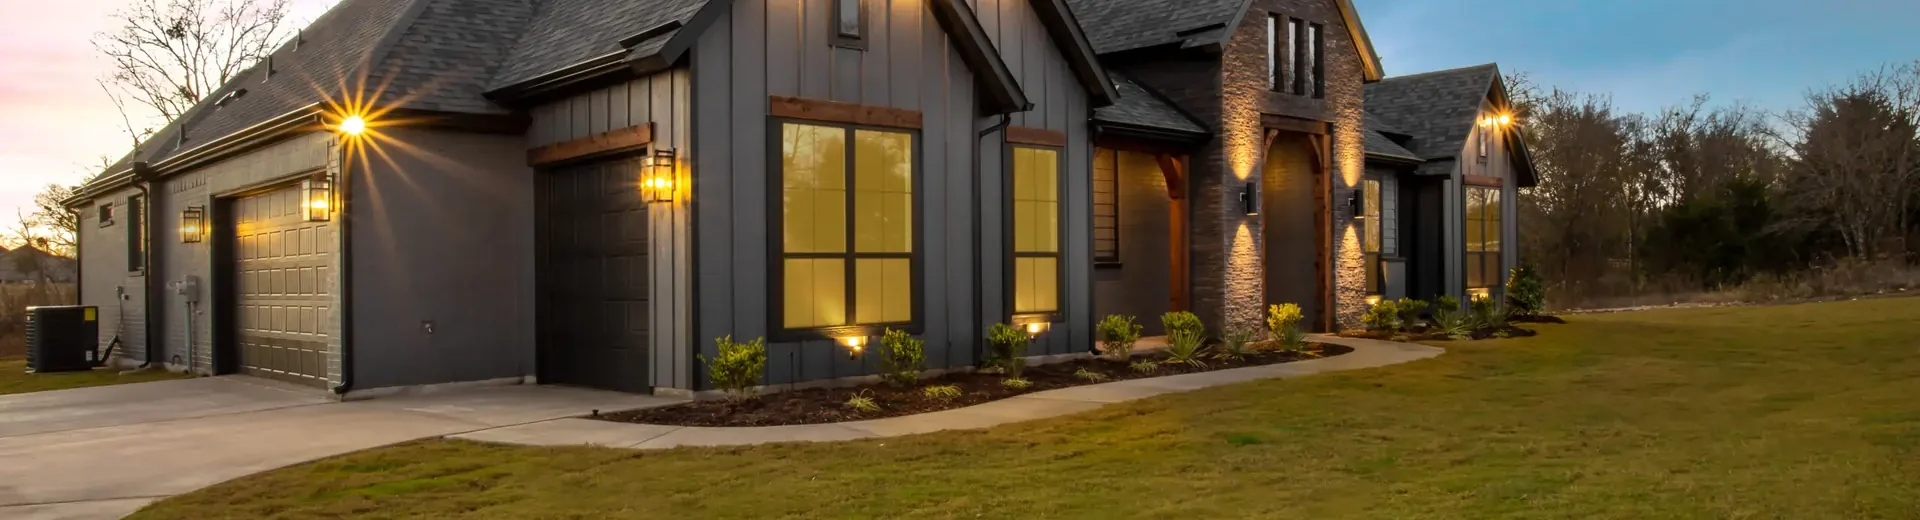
(843, 113)
(601, 143)
(1036, 136)
(1294, 124)
(1481, 180)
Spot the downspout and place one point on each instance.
(143, 175)
(340, 194)
(979, 245)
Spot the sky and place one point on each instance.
(54, 119)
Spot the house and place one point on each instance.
(588, 193)
(30, 264)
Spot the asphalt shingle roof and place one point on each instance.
(568, 32)
(1378, 144)
(1120, 25)
(445, 58)
(1438, 109)
(1139, 106)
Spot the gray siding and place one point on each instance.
(103, 266)
(1141, 286)
(663, 99)
(1499, 164)
(1036, 63)
(443, 234)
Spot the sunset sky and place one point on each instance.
(54, 120)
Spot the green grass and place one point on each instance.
(14, 378)
(1809, 411)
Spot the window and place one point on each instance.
(1106, 206)
(1370, 233)
(1276, 62)
(846, 216)
(849, 24)
(1298, 52)
(136, 234)
(1483, 237)
(106, 214)
(1316, 67)
(1036, 230)
(1481, 138)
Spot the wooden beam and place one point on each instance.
(1323, 226)
(1294, 124)
(1176, 175)
(623, 139)
(838, 112)
(1036, 136)
(1178, 240)
(1482, 180)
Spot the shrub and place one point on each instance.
(1144, 366)
(738, 368)
(902, 357)
(1008, 344)
(1185, 336)
(1383, 316)
(1526, 293)
(1089, 376)
(862, 402)
(1235, 344)
(1016, 383)
(1283, 321)
(1487, 314)
(1117, 335)
(1410, 310)
(1448, 317)
(942, 392)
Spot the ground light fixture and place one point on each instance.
(656, 174)
(193, 224)
(855, 344)
(1035, 329)
(317, 194)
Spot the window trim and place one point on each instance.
(105, 214)
(1060, 223)
(841, 39)
(1466, 247)
(776, 241)
(1115, 260)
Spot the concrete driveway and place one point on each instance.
(104, 452)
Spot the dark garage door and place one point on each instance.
(282, 263)
(593, 277)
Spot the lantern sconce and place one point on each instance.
(193, 224)
(855, 344)
(1250, 199)
(1353, 204)
(317, 194)
(657, 176)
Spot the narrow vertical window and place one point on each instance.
(846, 220)
(136, 234)
(1484, 135)
(1036, 231)
(1317, 46)
(1370, 234)
(1298, 53)
(106, 214)
(849, 24)
(1276, 80)
(1106, 206)
(1483, 237)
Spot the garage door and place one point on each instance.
(282, 267)
(593, 277)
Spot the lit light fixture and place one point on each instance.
(657, 176)
(193, 224)
(353, 125)
(317, 194)
(855, 344)
(1250, 199)
(1035, 329)
(1353, 204)
(1373, 300)
(1486, 122)
(1506, 119)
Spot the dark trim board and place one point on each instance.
(842, 113)
(612, 141)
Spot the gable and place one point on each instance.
(1115, 26)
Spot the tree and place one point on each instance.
(50, 226)
(1857, 161)
(168, 55)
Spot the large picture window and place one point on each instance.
(1036, 230)
(1483, 237)
(846, 218)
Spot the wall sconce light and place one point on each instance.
(1506, 119)
(1035, 329)
(1250, 199)
(656, 181)
(317, 192)
(353, 126)
(1353, 204)
(855, 345)
(193, 224)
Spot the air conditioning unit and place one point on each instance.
(63, 338)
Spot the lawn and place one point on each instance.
(14, 378)
(1808, 411)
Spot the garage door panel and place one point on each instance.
(282, 265)
(593, 277)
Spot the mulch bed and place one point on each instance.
(828, 405)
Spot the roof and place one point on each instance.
(1141, 107)
(1380, 146)
(1437, 109)
(1124, 25)
(565, 33)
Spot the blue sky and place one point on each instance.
(1652, 54)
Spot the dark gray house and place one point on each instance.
(587, 192)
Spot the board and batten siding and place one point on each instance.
(1499, 164)
(663, 99)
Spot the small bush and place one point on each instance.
(1185, 336)
(1526, 293)
(1283, 322)
(1144, 367)
(1487, 314)
(1410, 311)
(1383, 316)
(1235, 344)
(1448, 317)
(902, 357)
(1016, 383)
(862, 402)
(1117, 335)
(738, 368)
(1089, 376)
(1009, 344)
(942, 392)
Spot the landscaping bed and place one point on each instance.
(829, 405)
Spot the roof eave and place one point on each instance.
(559, 80)
(1072, 40)
(979, 54)
(1369, 60)
(299, 120)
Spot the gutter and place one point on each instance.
(223, 147)
(152, 292)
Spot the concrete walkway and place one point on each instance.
(1039, 405)
(104, 452)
